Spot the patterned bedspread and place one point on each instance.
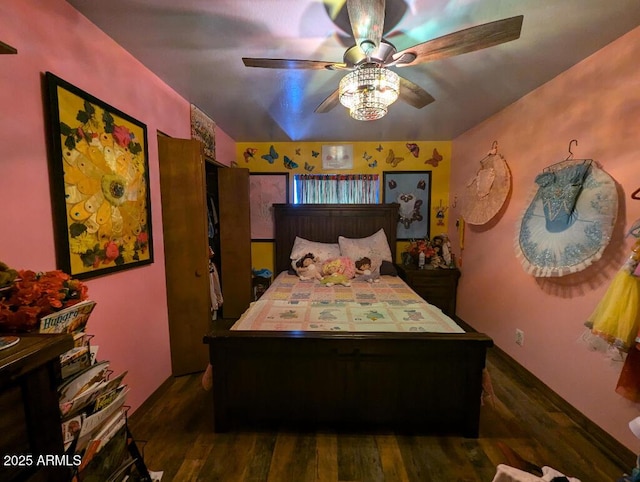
(388, 306)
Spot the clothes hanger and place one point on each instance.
(494, 149)
(492, 152)
(636, 194)
(568, 161)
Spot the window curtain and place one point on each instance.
(336, 188)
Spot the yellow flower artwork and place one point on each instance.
(100, 158)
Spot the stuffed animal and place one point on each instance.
(306, 267)
(338, 271)
(442, 246)
(366, 272)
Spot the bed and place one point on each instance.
(406, 381)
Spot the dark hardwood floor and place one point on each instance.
(176, 423)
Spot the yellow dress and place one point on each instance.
(617, 316)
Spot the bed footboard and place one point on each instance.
(411, 382)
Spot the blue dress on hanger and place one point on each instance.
(570, 220)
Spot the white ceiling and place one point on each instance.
(196, 47)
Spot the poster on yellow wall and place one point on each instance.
(412, 191)
(336, 157)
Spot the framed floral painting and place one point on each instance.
(266, 189)
(412, 191)
(100, 183)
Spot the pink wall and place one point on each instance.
(130, 321)
(596, 102)
(225, 148)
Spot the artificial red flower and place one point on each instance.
(421, 246)
(34, 295)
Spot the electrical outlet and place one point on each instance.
(519, 337)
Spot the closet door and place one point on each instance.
(235, 240)
(184, 222)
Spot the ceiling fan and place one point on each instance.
(371, 86)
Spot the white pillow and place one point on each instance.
(322, 251)
(375, 246)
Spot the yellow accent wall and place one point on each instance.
(368, 158)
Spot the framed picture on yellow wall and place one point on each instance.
(339, 156)
(100, 183)
(412, 191)
(265, 190)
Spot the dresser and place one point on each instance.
(29, 412)
(436, 286)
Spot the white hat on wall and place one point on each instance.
(486, 193)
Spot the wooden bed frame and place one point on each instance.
(427, 383)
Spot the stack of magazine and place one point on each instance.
(91, 400)
(72, 320)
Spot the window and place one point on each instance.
(336, 189)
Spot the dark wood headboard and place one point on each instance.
(325, 222)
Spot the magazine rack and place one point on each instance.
(107, 449)
(119, 457)
(89, 411)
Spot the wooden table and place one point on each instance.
(29, 412)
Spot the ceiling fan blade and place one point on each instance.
(7, 49)
(367, 22)
(413, 94)
(293, 64)
(463, 41)
(329, 103)
(394, 11)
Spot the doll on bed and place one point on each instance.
(366, 272)
(338, 271)
(306, 268)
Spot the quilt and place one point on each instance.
(291, 304)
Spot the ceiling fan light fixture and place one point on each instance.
(368, 91)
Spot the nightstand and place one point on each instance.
(435, 285)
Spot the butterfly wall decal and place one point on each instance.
(315, 153)
(308, 167)
(374, 163)
(366, 157)
(298, 151)
(249, 153)
(288, 163)
(272, 156)
(393, 160)
(413, 148)
(435, 159)
(379, 148)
